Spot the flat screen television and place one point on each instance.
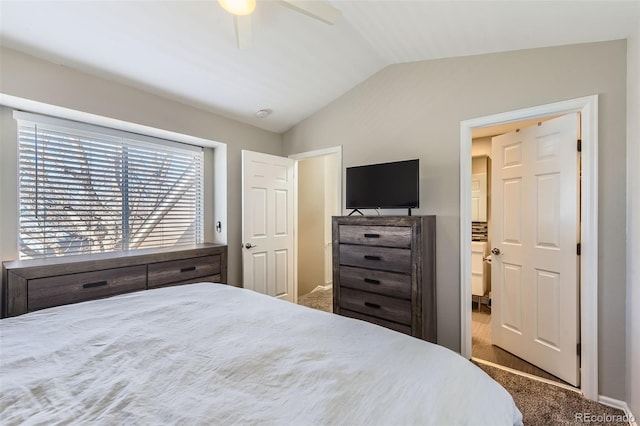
(393, 185)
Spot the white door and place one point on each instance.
(479, 197)
(268, 224)
(535, 219)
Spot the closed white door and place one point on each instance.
(268, 198)
(535, 219)
(479, 197)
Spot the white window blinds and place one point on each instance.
(87, 189)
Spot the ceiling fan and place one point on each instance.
(242, 10)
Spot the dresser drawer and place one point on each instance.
(183, 270)
(381, 282)
(383, 258)
(73, 288)
(402, 328)
(384, 307)
(386, 236)
(384, 271)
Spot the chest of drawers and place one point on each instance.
(384, 272)
(30, 285)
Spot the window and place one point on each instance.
(88, 189)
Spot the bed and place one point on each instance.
(214, 354)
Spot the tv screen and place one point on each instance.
(385, 186)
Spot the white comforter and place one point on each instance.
(214, 354)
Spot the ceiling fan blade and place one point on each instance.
(320, 10)
(244, 35)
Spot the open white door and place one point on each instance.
(268, 224)
(534, 269)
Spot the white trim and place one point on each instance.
(588, 107)
(91, 129)
(527, 375)
(322, 287)
(337, 150)
(295, 231)
(97, 120)
(620, 405)
(604, 400)
(318, 153)
(219, 186)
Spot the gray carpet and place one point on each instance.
(540, 403)
(318, 299)
(545, 404)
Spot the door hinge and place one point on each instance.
(578, 349)
(579, 145)
(578, 249)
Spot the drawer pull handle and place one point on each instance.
(372, 235)
(371, 281)
(372, 305)
(188, 269)
(367, 257)
(95, 284)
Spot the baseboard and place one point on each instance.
(620, 405)
(527, 375)
(604, 400)
(325, 287)
(322, 287)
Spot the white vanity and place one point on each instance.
(479, 268)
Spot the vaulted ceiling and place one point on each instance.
(187, 51)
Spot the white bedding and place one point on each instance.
(215, 354)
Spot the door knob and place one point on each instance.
(495, 251)
(249, 245)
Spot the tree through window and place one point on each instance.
(86, 189)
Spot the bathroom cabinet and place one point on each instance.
(479, 268)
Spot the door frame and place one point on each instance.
(337, 150)
(588, 285)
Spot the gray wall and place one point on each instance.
(404, 111)
(633, 223)
(414, 110)
(38, 80)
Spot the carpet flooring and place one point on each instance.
(540, 403)
(318, 299)
(545, 404)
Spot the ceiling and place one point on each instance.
(186, 50)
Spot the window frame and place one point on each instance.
(128, 137)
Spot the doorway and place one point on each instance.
(525, 176)
(587, 107)
(319, 195)
(270, 225)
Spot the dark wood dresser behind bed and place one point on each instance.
(384, 272)
(30, 285)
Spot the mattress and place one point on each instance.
(215, 354)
